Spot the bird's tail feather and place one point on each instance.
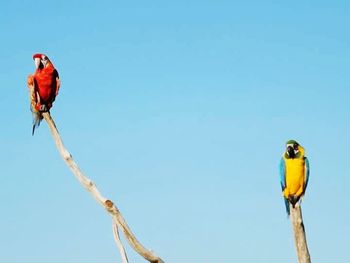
(37, 117)
(286, 202)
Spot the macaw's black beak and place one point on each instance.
(291, 152)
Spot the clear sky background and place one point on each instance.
(179, 112)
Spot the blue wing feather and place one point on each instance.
(307, 173)
(283, 174)
(283, 182)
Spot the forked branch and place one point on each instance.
(119, 242)
(111, 208)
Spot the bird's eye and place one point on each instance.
(295, 146)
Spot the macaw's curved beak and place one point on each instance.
(37, 62)
(290, 151)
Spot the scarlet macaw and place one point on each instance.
(43, 87)
(294, 173)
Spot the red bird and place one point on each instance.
(43, 87)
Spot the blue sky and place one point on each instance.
(178, 111)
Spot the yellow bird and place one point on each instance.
(294, 173)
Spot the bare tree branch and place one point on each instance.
(119, 242)
(91, 187)
(299, 234)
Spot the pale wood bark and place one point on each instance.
(91, 187)
(119, 242)
(299, 234)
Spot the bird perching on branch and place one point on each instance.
(294, 174)
(43, 87)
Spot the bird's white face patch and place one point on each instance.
(37, 62)
(294, 146)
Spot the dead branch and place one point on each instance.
(91, 187)
(119, 242)
(299, 234)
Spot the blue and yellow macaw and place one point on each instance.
(294, 173)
